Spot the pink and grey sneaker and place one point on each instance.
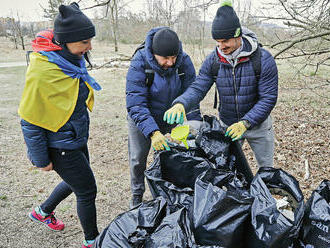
(87, 244)
(50, 221)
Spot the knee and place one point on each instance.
(87, 195)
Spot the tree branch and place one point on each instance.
(98, 5)
(305, 54)
(298, 41)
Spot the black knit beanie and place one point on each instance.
(165, 43)
(226, 24)
(72, 25)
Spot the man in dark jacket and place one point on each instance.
(245, 101)
(146, 103)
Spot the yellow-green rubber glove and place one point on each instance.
(176, 114)
(158, 141)
(236, 130)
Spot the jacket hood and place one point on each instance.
(151, 58)
(44, 42)
(250, 42)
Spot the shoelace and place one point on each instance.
(53, 219)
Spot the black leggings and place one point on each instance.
(73, 167)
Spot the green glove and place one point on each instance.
(158, 141)
(176, 114)
(236, 130)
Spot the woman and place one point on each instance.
(55, 119)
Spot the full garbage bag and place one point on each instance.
(219, 149)
(315, 231)
(173, 173)
(174, 231)
(271, 226)
(221, 208)
(132, 228)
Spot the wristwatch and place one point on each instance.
(246, 123)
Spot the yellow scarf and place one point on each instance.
(49, 96)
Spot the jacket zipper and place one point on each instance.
(236, 94)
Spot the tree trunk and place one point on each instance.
(114, 22)
(22, 42)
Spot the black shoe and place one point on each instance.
(135, 201)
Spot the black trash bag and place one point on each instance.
(173, 231)
(173, 173)
(219, 149)
(221, 208)
(211, 139)
(315, 231)
(132, 228)
(270, 226)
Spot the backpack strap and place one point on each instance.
(214, 73)
(150, 74)
(141, 46)
(27, 56)
(181, 73)
(256, 62)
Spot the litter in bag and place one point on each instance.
(272, 227)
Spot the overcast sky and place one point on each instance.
(30, 10)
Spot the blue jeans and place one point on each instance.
(73, 167)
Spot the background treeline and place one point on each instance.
(290, 28)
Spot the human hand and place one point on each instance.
(176, 114)
(236, 130)
(48, 167)
(158, 141)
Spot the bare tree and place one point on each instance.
(163, 12)
(19, 31)
(16, 33)
(51, 10)
(203, 8)
(114, 7)
(12, 32)
(307, 34)
(114, 21)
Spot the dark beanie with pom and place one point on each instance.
(72, 25)
(165, 43)
(226, 23)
